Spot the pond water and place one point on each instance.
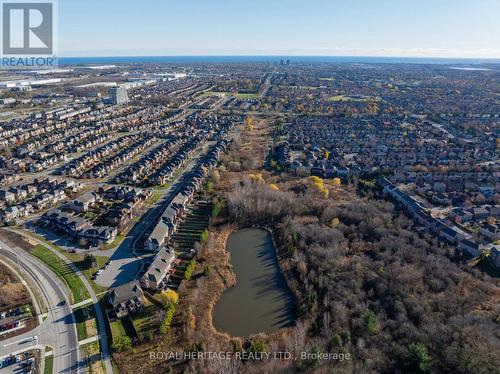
(261, 300)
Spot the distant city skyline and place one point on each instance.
(424, 28)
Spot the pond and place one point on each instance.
(261, 300)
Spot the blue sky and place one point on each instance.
(427, 28)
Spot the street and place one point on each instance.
(58, 329)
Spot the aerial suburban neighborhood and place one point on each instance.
(250, 212)
(122, 190)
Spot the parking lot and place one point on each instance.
(21, 363)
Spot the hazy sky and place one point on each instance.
(430, 28)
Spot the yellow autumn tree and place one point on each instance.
(334, 222)
(172, 296)
(257, 178)
(169, 297)
(316, 179)
(325, 192)
(249, 122)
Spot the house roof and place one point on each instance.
(124, 293)
(160, 232)
(87, 197)
(161, 264)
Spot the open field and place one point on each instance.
(347, 98)
(239, 95)
(12, 291)
(247, 96)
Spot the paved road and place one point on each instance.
(98, 311)
(58, 330)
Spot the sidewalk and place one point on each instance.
(88, 340)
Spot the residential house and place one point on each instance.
(84, 202)
(127, 298)
(451, 234)
(158, 237)
(492, 232)
(470, 247)
(159, 270)
(7, 196)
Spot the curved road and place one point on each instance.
(101, 323)
(59, 329)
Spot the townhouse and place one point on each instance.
(158, 272)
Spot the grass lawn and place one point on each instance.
(345, 98)
(85, 321)
(210, 93)
(78, 260)
(117, 329)
(147, 321)
(339, 98)
(153, 199)
(246, 95)
(239, 95)
(162, 187)
(92, 357)
(49, 365)
(90, 215)
(81, 329)
(63, 270)
(114, 243)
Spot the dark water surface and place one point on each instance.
(261, 300)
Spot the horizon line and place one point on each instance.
(285, 55)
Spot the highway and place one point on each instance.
(58, 330)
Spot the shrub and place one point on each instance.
(190, 270)
(206, 270)
(258, 346)
(204, 236)
(217, 207)
(167, 320)
(209, 186)
(122, 343)
(417, 359)
(370, 320)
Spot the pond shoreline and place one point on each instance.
(265, 300)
